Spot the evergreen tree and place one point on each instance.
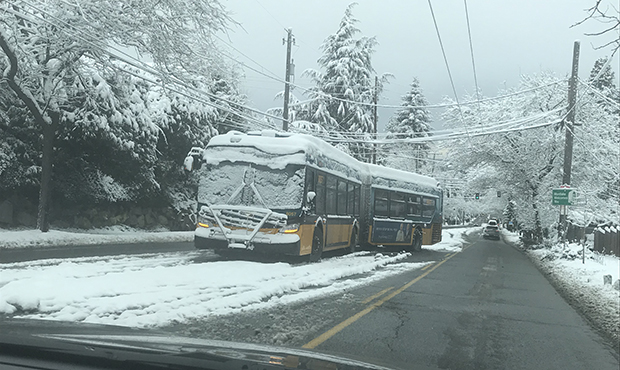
(345, 86)
(510, 213)
(410, 121)
(606, 78)
(605, 85)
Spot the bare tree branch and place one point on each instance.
(10, 78)
(607, 16)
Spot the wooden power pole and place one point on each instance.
(287, 78)
(570, 126)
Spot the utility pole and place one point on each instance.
(375, 100)
(287, 78)
(570, 125)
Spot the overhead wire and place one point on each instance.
(595, 91)
(443, 51)
(140, 64)
(471, 50)
(322, 95)
(251, 119)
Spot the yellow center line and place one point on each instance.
(427, 266)
(333, 331)
(377, 295)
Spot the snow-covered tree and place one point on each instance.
(523, 164)
(344, 85)
(603, 80)
(59, 58)
(412, 120)
(527, 164)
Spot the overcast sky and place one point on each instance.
(509, 38)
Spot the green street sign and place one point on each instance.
(563, 197)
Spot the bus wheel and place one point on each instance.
(354, 240)
(416, 246)
(317, 245)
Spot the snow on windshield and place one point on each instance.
(279, 189)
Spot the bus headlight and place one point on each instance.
(289, 229)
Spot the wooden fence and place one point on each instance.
(607, 240)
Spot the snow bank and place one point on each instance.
(451, 240)
(163, 288)
(113, 235)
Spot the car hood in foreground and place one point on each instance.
(123, 347)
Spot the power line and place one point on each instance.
(141, 65)
(595, 91)
(272, 16)
(471, 49)
(274, 77)
(156, 83)
(443, 51)
(264, 124)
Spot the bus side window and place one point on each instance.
(332, 195)
(342, 197)
(320, 194)
(357, 200)
(398, 207)
(310, 182)
(351, 199)
(414, 207)
(381, 203)
(429, 207)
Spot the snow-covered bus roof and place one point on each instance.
(392, 175)
(276, 150)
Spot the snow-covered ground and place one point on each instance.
(451, 239)
(116, 235)
(159, 289)
(581, 283)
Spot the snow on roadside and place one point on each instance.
(162, 288)
(143, 292)
(582, 284)
(35, 238)
(451, 239)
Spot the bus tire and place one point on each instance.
(354, 240)
(317, 245)
(416, 245)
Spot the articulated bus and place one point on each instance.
(295, 194)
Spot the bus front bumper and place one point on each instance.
(269, 243)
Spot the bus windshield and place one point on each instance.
(278, 188)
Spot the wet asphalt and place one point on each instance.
(487, 307)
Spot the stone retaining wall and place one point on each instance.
(21, 212)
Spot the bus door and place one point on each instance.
(338, 224)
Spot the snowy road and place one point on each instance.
(157, 289)
(486, 307)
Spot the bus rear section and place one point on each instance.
(404, 209)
